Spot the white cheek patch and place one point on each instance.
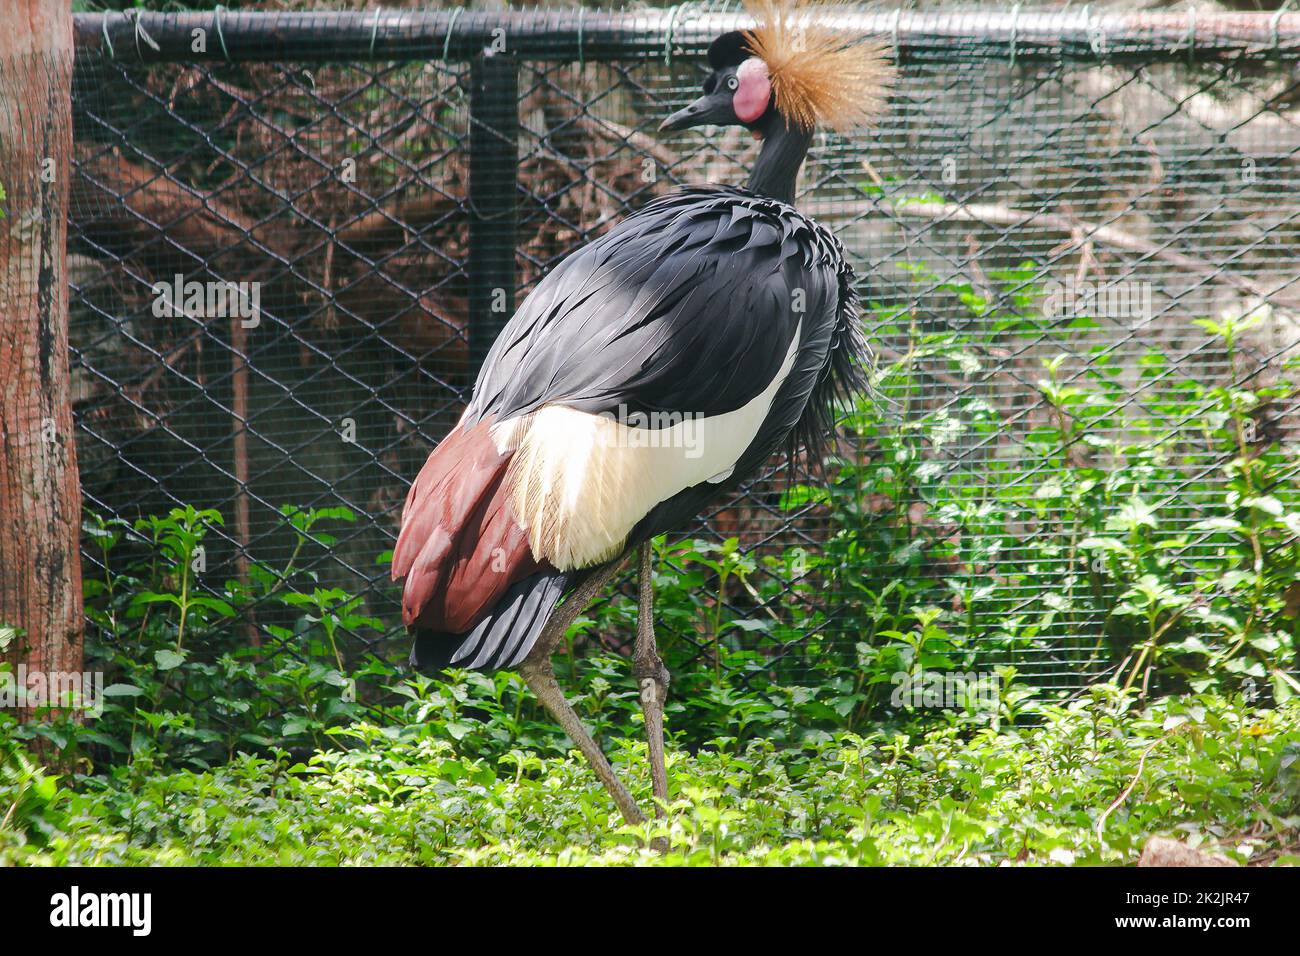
(754, 91)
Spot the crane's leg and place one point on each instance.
(541, 678)
(652, 679)
(537, 672)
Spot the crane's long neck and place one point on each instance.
(784, 149)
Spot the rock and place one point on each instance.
(1162, 851)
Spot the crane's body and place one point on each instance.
(649, 372)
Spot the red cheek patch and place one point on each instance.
(754, 91)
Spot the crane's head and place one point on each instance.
(796, 63)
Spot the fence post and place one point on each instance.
(40, 495)
(493, 193)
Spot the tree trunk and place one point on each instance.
(40, 497)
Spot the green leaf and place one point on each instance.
(1104, 544)
(1265, 503)
(1217, 524)
(168, 659)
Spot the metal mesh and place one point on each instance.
(328, 158)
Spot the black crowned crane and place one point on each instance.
(650, 372)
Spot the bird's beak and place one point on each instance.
(711, 110)
(681, 119)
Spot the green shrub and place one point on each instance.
(1087, 785)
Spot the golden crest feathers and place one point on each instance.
(820, 74)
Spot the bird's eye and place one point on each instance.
(732, 82)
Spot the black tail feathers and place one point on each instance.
(502, 639)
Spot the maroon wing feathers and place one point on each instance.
(460, 547)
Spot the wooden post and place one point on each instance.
(40, 496)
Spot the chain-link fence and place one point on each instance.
(381, 193)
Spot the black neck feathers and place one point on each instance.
(784, 149)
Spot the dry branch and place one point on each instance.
(141, 212)
(991, 214)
